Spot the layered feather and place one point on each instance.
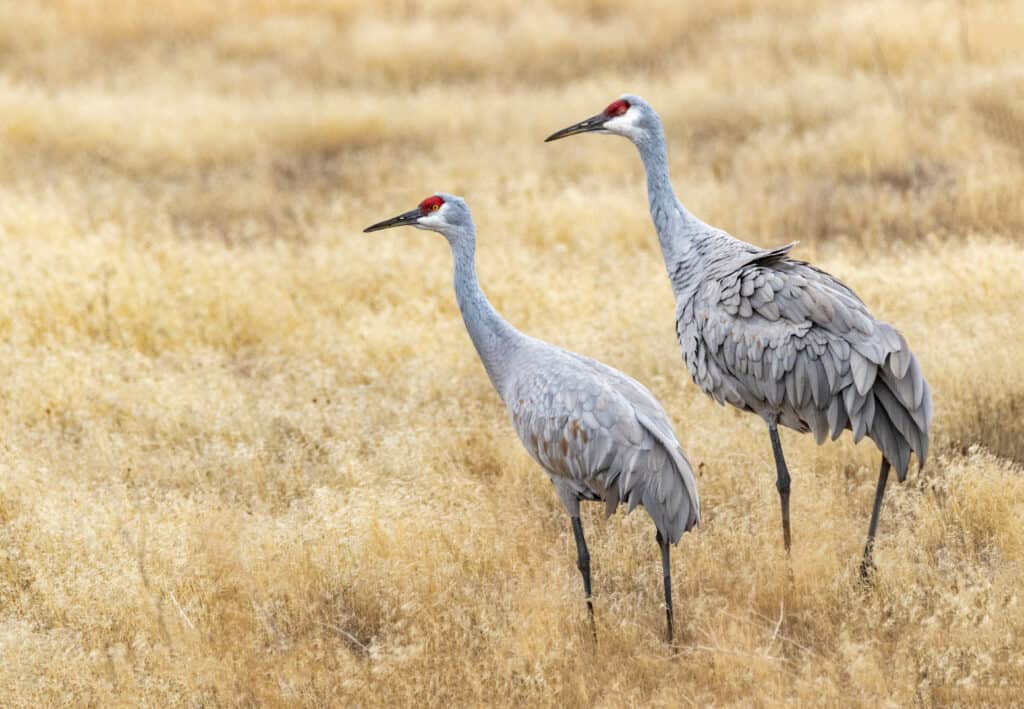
(601, 435)
(781, 338)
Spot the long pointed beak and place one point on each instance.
(406, 219)
(591, 124)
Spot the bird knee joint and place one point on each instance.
(782, 485)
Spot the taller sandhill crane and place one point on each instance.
(599, 434)
(773, 335)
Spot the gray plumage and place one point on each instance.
(599, 434)
(777, 337)
(771, 334)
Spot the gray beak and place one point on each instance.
(588, 126)
(407, 219)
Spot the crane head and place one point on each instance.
(439, 212)
(627, 115)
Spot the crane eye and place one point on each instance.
(616, 108)
(431, 204)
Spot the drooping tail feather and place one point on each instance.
(902, 410)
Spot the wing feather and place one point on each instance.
(787, 340)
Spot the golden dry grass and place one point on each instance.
(249, 457)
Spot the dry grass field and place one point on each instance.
(248, 456)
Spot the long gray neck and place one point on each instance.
(493, 337)
(679, 232)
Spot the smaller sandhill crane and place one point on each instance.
(598, 433)
(776, 336)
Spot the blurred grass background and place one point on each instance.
(248, 454)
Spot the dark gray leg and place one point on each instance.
(583, 564)
(781, 481)
(868, 565)
(666, 571)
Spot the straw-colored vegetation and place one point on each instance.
(248, 456)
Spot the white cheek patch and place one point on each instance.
(433, 219)
(627, 124)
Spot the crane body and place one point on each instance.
(775, 336)
(598, 434)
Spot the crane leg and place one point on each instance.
(781, 481)
(867, 566)
(666, 571)
(583, 564)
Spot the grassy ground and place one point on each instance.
(248, 456)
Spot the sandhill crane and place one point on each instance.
(773, 335)
(598, 433)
